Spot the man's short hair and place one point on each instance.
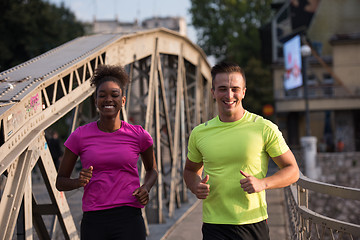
(226, 67)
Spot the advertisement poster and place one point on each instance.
(292, 58)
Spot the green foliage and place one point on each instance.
(29, 28)
(229, 30)
(258, 90)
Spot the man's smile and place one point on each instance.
(229, 103)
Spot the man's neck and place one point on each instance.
(233, 117)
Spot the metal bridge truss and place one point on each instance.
(305, 224)
(168, 95)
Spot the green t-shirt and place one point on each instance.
(225, 148)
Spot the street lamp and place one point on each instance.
(305, 53)
(308, 142)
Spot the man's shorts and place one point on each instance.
(255, 231)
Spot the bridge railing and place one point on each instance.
(308, 224)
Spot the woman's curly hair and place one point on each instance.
(104, 73)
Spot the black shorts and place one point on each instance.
(254, 231)
(125, 223)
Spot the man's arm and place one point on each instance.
(288, 174)
(192, 177)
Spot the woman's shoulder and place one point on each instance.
(136, 131)
(85, 128)
(133, 128)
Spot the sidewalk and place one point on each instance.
(278, 220)
(189, 225)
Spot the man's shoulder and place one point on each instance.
(255, 118)
(206, 125)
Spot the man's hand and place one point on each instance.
(142, 195)
(85, 176)
(203, 189)
(251, 184)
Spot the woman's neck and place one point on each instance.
(109, 125)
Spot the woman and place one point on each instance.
(109, 150)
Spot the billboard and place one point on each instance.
(292, 59)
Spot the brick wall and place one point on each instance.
(341, 169)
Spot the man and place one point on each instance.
(233, 149)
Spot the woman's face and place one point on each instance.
(109, 99)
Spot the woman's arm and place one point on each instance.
(148, 159)
(63, 180)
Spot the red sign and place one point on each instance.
(268, 110)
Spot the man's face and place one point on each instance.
(228, 91)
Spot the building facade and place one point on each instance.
(177, 24)
(333, 74)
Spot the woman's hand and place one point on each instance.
(142, 195)
(148, 159)
(85, 176)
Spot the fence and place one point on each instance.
(308, 224)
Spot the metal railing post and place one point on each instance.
(303, 200)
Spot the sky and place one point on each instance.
(129, 10)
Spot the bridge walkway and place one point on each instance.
(189, 225)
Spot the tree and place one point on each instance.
(29, 28)
(229, 30)
(259, 87)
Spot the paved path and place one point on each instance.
(189, 225)
(278, 220)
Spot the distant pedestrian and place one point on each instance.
(55, 148)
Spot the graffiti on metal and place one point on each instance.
(33, 104)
